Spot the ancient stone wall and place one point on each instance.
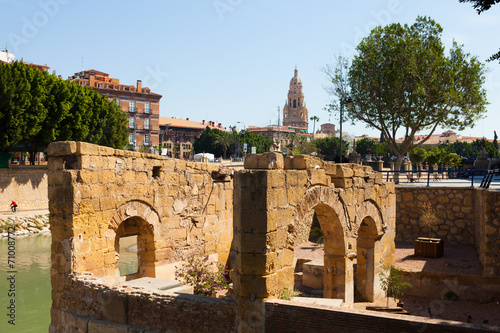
(97, 306)
(468, 216)
(456, 212)
(98, 194)
(26, 186)
(275, 200)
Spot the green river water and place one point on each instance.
(32, 282)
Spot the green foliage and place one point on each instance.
(314, 119)
(383, 149)
(401, 79)
(418, 155)
(305, 148)
(392, 282)
(316, 234)
(261, 143)
(434, 155)
(330, 146)
(452, 159)
(365, 146)
(37, 108)
(205, 276)
(207, 142)
(288, 294)
(224, 140)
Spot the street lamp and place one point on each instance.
(349, 104)
(244, 133)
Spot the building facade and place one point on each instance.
(139, 103)
(295, 115)
(178, 135)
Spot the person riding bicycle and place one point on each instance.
(13, 206)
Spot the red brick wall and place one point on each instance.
(282, 316)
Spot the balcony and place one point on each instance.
(132, 110)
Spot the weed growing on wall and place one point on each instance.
(204, 275)
(288, 294)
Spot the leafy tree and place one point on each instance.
(305, 148)
(418, 155)
(383, 149)
(224, 140)
(206, 143)
(452, 159)
(392, 282)
(260, 142)
(365, 146)
(329, 147)
(382, 137)
(314, 119)
(402, 80)
(434, 156)
(37, 108)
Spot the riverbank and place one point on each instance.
(24, 223)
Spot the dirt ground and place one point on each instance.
(457, 260)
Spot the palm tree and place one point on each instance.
(225, 140)
(314, 119)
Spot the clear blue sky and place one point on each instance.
(231, 60)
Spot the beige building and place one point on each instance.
(295, 114)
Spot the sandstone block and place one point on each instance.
(61, 148)
(251, 161)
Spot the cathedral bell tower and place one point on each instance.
(295, 111)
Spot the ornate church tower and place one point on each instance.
(295, 111)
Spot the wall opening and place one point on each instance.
(128, 262)
(142, 231)
(364, 277)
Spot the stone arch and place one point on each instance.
(369, 228)
(334, 221)
(137, 218)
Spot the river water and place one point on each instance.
(32, 281)
(32, 284)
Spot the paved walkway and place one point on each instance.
(25, 213)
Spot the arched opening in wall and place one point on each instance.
(294, 103)
(364, 277)
(143, 259)
(319, 255)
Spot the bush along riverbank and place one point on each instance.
(24, 225)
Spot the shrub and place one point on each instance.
(205, 276)
(287, 294)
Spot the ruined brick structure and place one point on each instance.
(177, 208)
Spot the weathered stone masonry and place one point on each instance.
(275, 200)
(98, 194)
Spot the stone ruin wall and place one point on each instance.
(26, 186)
(98, 194)
(275, 200)
(467, 216)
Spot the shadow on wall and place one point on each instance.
(23, 177)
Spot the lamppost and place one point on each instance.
(244, 132)
(349, 104)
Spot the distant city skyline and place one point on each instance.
(232, 61)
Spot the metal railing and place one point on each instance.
(470, 177)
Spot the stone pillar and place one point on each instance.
(380, 165)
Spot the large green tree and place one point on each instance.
(401, 80)
(329, 147)
(37, 108)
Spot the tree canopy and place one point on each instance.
(37, 108)
(401, 79)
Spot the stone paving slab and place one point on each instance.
(154, 284)
(319, 301)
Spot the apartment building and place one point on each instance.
(139, 103)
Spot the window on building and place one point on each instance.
(116, 87)
(298, 103)
(294, 103)
(100, 85)
(146, 123)
(132, 106)
(131, 122)
(117, 101)
(146, 139)
(131, 138)
(147, 107)
(132, 89)
(82, 83)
